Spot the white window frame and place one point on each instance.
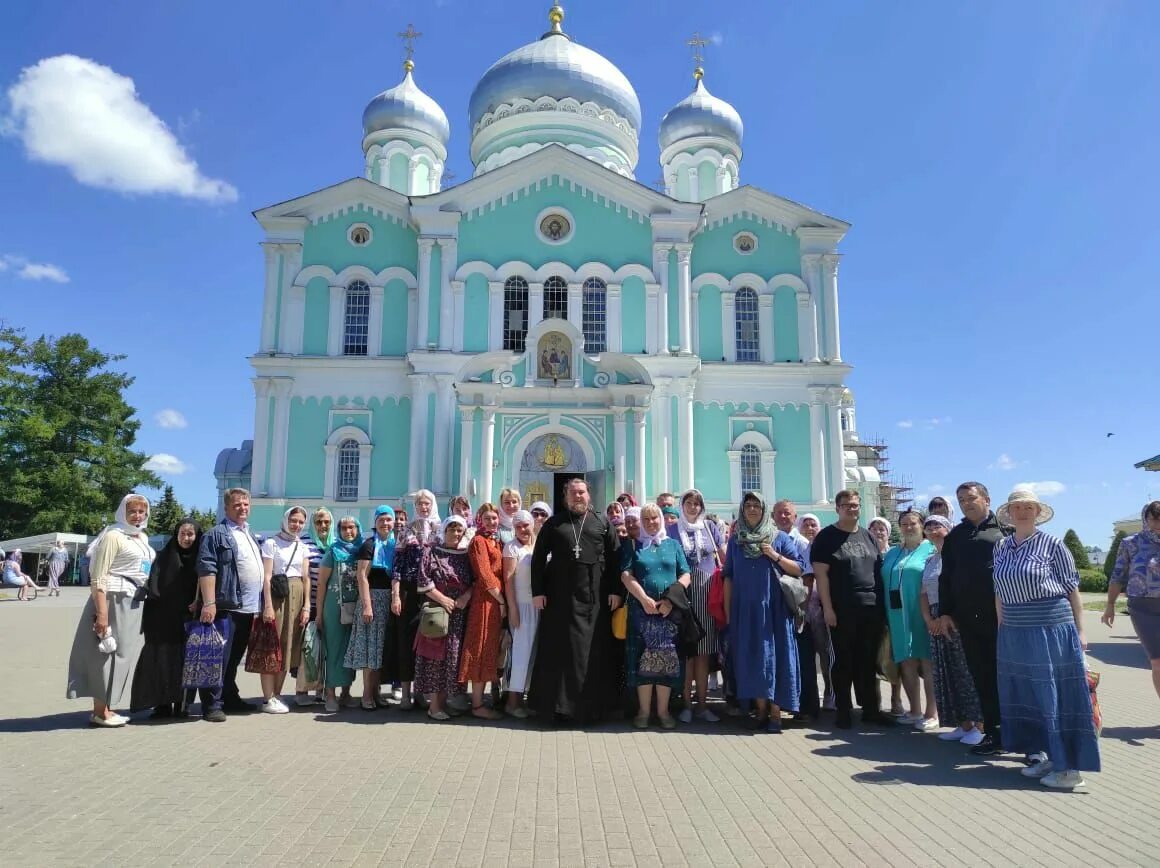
(752, 350)
(594, 317)
(504, 330)
(365, 451)
(768, 456)
(346, 319)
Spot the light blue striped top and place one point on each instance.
(1039, 568)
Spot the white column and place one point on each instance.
(640, 488)
(620, 449)
(652, 295)
(830, 283)
(261, 436)
(661, 268)
(685, 391)
(466, 436)
(818, 482)
(417, 456)
(269, 299)
(837, 446)
(364, 472)
(444, 420)
(694, 184)
(662, 410)
(375, 325)
(487, 454)
(728, 325)
(457, 315)
(495, 315)
(412, 317)
(384, 168)
(684, 299)
(535, 302)
(335, 323)
(281, 387)
(291, 262)
(734, 475)
(807, 326)
(810, 265)
(448, 263)
(613, 325)
(295, 323)
(424, 319)
(576, 305)
(765, 326)
(694, 321)
(720, 175)
(768, 482)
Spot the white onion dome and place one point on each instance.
(699, 115)
(406, 107)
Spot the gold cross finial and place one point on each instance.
(697, 43)
(409, 36)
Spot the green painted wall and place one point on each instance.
(317, 317)
(391, 244)
(306, 439)
(395, 318)
(785, 325)
(476, 313)
(632, 315)
(706, 181)
(392, 436)
(709, 324)
(600, 235)
(398, 169)
(710, 440)
(791, 439)
(777, 252)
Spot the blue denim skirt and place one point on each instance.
(1043, 694)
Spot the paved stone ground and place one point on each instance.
(389, 788)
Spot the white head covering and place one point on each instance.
(691, 530)
(427, 495)
(802, 518)
(879, 520)
(286, 521)
(450, 520)
(121, 522)
(539, 504)
(522, 516)
(647, 539)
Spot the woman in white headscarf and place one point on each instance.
(108, 638)
(523, 616)
(705, 550)
(285, 556)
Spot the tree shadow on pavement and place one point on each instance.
(1119, 654)
(1133, 735)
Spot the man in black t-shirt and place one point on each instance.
(846, 565)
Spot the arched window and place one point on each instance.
(346, 475)
(595, 315)
(515, 314)
(356, 323)
(555, 298)
(748, 327)
(750, 468)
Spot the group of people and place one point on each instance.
(631, 610)
(12, 573)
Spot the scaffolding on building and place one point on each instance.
(894, 491)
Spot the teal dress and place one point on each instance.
(902, 571)
(335, 634)
(652, 636)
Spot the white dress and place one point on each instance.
(523, 636)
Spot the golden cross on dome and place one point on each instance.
(697, 43)
(409, 36)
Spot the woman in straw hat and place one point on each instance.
(1044, 702)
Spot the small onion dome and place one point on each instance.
(701, 114)
(406, 107)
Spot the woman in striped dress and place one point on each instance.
(1044, 702)
(704, 550)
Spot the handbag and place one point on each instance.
(312, 653)
(280, 583)
(434, 621)
(347, 593)
(620, 623)
(795, 594)
(205, 654)
(264, 652)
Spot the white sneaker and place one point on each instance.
(707, 716)
(956, 734)
(1038, 769)
(686, 716)
(926, 724)
(1064, 780)
(110, 722)
(972, 738)
(397, 694)
(274, 705)
(909, 719)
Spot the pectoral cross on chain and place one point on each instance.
(576, 550)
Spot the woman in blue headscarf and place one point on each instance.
(376, 566)
(338, 585)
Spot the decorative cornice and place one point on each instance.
(567, 105)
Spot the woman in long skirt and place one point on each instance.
(284, 554)
(523, 616)
(704, 549)
(376, 564)
(108, 639)
(172, 587)
(444, 579)
(481, 643)
(57, 561)
(337, 584)
(1044, 702)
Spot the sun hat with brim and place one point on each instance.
(1024, 495)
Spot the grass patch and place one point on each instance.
(1100, 605)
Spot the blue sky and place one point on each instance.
(996, 160)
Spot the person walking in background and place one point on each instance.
(285, 569)
(1137, 573)
(57, 562)
(1044, 699)
(338, 585)
(108, 637)
(954, 691)
(966, 593)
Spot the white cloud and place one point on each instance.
(170, 419)
(1046, 488)
(1003, 462)
(936, 488)
(73, 112)
(716, 38)
(906, 423)
(166, 464)
(26, 270)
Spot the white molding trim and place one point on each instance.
(355, 272)
(772, 210)
(547, 103)
(753, 438)
(518, 444)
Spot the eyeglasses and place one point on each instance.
(539, 513)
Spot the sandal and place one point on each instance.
(438, 715)
(669, 722)
(485, 713)
(369, 705)
(640, 721)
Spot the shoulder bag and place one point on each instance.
(280, 583)
(347, 592)
(716, 603)
(434, 621)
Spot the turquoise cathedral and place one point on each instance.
(551, 316)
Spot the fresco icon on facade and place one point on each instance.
(553, 352)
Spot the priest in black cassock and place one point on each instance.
(576, 583)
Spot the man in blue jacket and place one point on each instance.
(229, 567)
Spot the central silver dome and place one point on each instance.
(557, 67)
(701, 114)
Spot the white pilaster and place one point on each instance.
(466, 444)
(487, 454)
(807, 326)
(620, 449)
(811, 262)
(662, 413)
(258, 482)
(444, 422)
(448, 264)
(684, 298)
(652, 296)
(728, 325)
(830, 284)
(837, 446)
(384, 171)
(694, 184)
(818, 482)
(640, 487)
(535, 303)
(281, 388)
(457, 315)
(495, 315)
(695, 324)
(364, 471)
(765, 326)
(336, 321)
(417, 456)
(423, 334)
(266, 342)
(375, 324)
(734, 475)
(295, 322)
(412, 317)
(576, 305)
(685, 391)
(613, 323)
(768, 482)
(661, 269)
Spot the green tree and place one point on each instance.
(164, 514)
(1078, 552)
(205, 519)
(66, 436)
(1110, 560)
